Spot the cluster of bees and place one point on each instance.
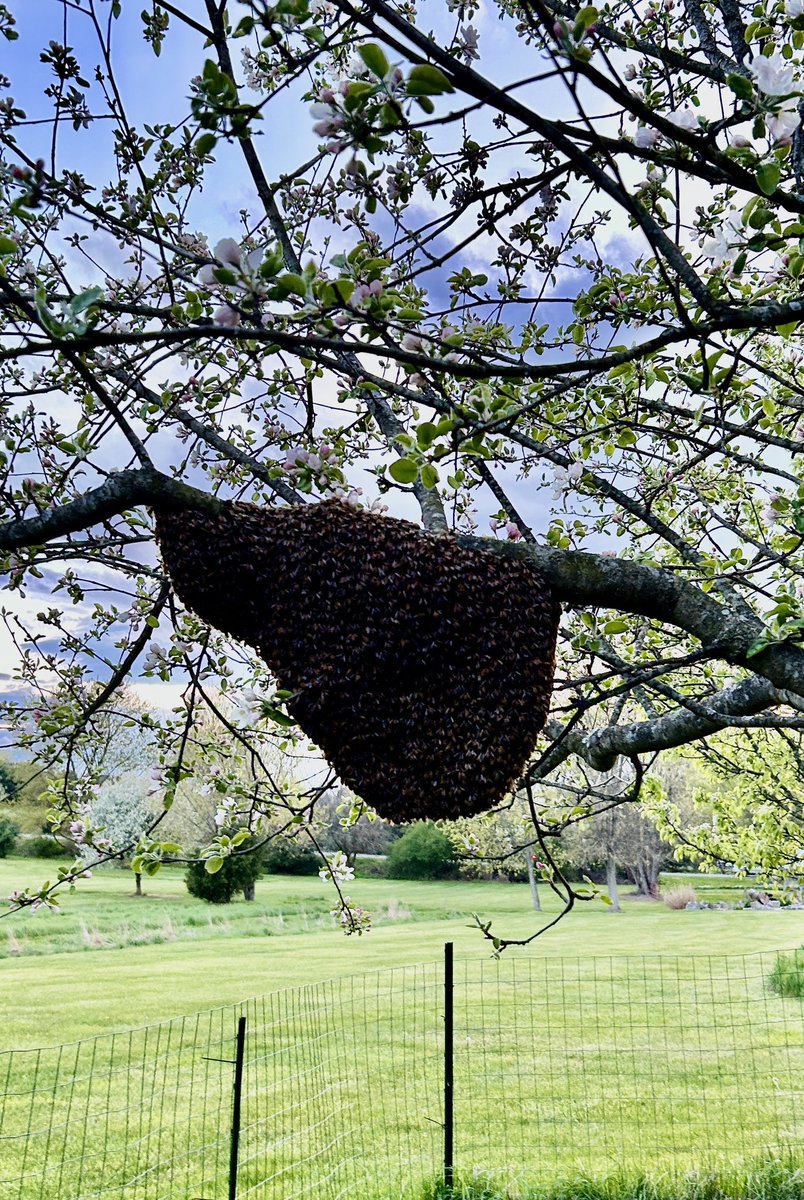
(421, 669)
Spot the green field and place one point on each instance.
(209, 955)
(642, 1041)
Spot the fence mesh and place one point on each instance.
(561, 1067)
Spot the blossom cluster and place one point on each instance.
(337, 869)
(352, 919)
(237, 269)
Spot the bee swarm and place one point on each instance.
(423, 670)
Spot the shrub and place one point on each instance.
(45, 847)
(215, 889)
(680, 896)
(371, 868)
(787, 975)
(238, 874)
(423, 852)
(285, 857)
(9, 832)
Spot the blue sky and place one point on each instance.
(155, 90)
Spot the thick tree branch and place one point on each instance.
(601, 748)
(577, 577)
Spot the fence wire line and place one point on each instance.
(561, 1066)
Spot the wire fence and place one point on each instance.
(560, 1067)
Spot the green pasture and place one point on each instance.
(115, 945)
(110, 960)
(644, 1041)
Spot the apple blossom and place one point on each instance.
(228, 251)
(684, 118)
(646, 137)
(227, 316)
(774, 75)
(782, 124)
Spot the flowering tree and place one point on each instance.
(535, 267)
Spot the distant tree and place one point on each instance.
(621, 836)
(499, 845)
(9, 832)
(750, 813)
(8, 782)
(289, 856)
(24, 784)
(423, 852)
(121, 812)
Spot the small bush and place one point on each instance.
(423, 852)
(371, 868)
(787, 976)
(680, 897)
(285, 857)
(238, 874)
(9, 832)
(45, 847)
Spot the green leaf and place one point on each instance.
(788, 328)
(84, 301)
(426, 434)
(584, 20)
(768, 177)
(740, 85)
(758, 646)
(292, 284)
(213, 864)
(429, 476)
(617, 625)
(404, 470)
(52, 324)
(205, 144)
(426, 80)
(7, 247)
(276, 715)
(374, 58)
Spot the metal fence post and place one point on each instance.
(449, 1078)
(236, 1101)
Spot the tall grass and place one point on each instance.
(787, 975)
(774, 1179)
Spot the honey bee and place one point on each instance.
(423, 670)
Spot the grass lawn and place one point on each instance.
(639, 1041)
(92, 967)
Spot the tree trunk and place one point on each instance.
(611, 883)
(534, 887)
(137, 883)
(248, 891)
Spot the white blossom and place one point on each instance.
(725, 243)
(467, 43)
(684, 118)
(337, 869)
(774, 75)
(782, 124)
(227, 316)
(646, 137)
(228, 251)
